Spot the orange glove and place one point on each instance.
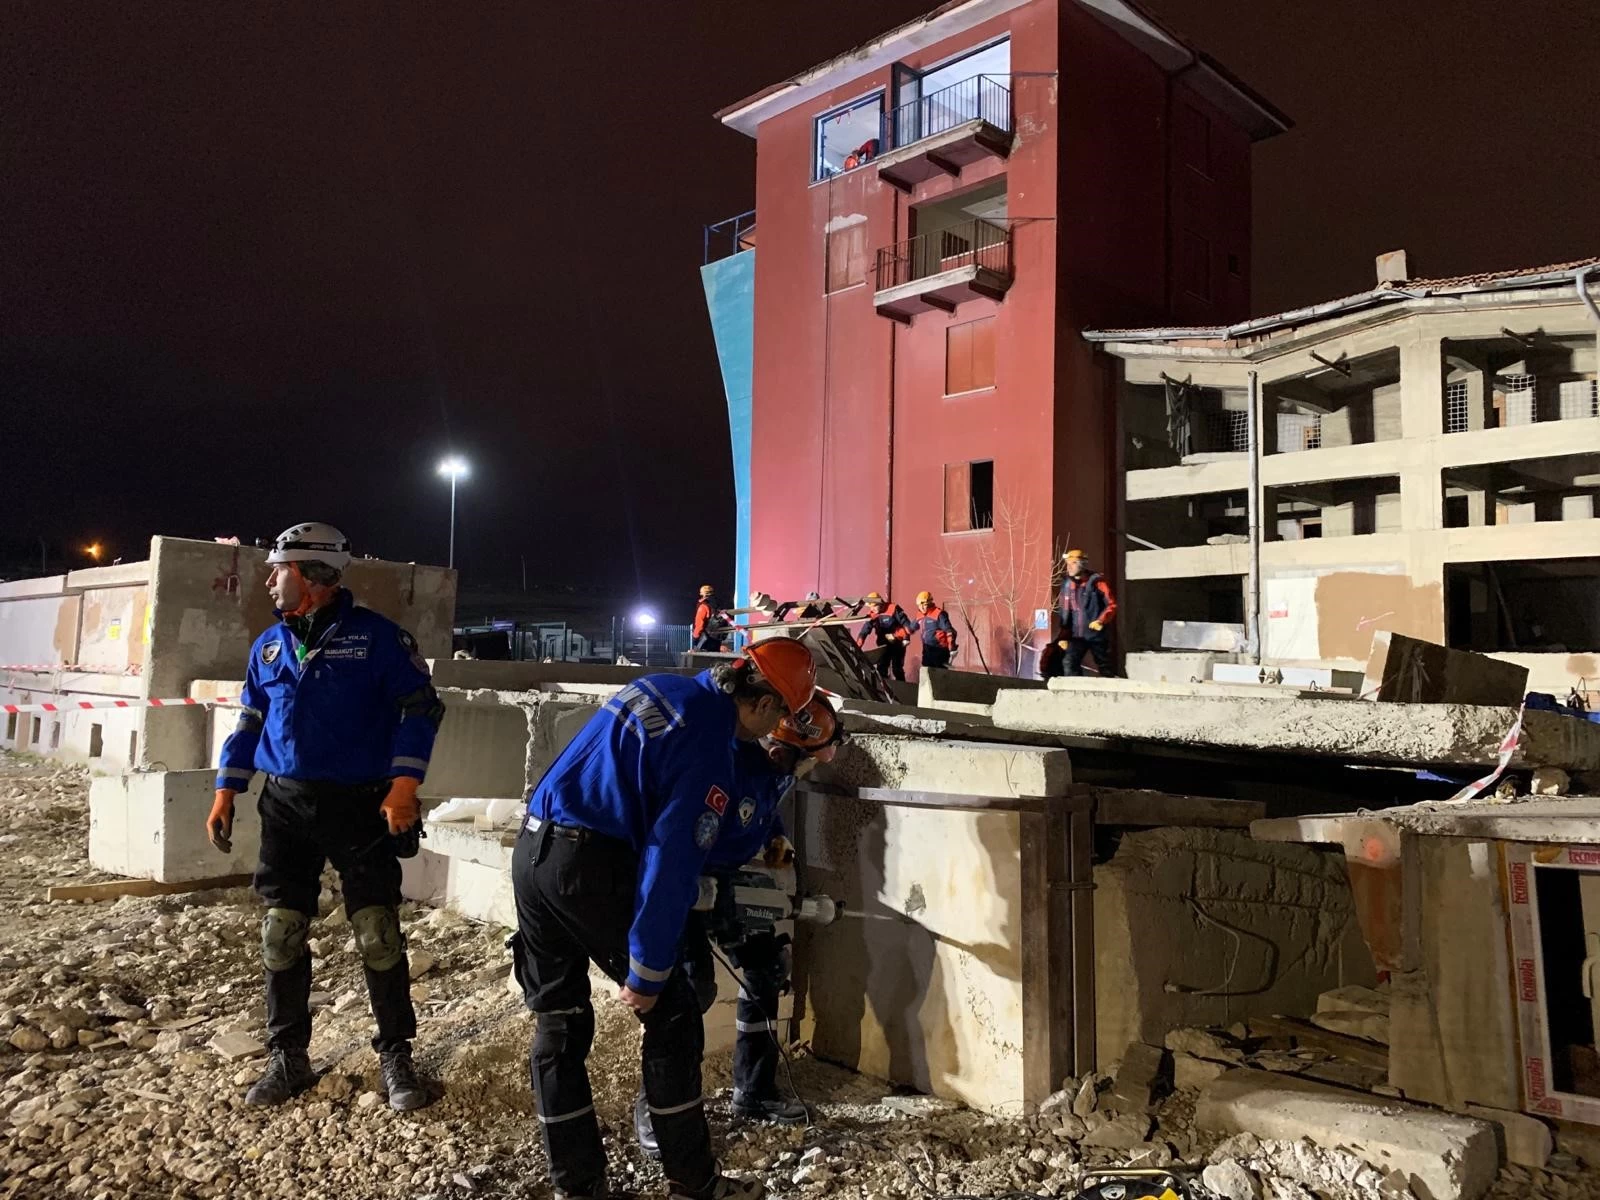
(400, 807)
(779, 852)
(219, 825)
(1096, 626)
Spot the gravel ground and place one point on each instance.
(111, 1087)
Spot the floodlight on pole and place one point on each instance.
(453, 468)
(645, 619)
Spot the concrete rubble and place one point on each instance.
(108, 1089)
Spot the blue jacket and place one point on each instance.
(755, 821)
(653, 768)
(360, 708)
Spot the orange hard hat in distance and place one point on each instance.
(874, 597)
(707, 590)
(787, 667)
(1072, 554)
(812, 730)
(924, 598)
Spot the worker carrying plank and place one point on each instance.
(338, 710)
(709, 631)
(766, 772)
(1086, 608)
(888, 624)
(938, 632)
(607, 868)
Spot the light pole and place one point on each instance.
(453, 468)
(644, 620)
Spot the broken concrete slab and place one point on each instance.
(1354, 998)
(948, 767)
(1140, 1077)
(1354, 1023)
(1528, 1140)
(1189, 1072)
(235, 1046)
(1231, 1181)
(1183, 914)
(1407, 670)
(1453, 1158)
(1202, 1043)
(1346, 729)
(1121, 1132)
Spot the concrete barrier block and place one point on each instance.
(151, 825)
(1444, 1157)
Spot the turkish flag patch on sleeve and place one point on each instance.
(717, 800)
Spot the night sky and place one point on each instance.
(266, 263)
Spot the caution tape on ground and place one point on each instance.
(67, 706)
(1508, 749)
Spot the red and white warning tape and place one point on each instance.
(1508, 748)
(67, 706)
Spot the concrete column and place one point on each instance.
(1422, 423)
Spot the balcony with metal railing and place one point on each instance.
(733, 236)
(943, 267)
(943, 131)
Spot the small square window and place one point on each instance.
(969, 357)
(968, 496)
(848, 137)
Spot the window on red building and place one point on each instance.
(968, 496)
(847, 256)
(848, 137)
(969, 356)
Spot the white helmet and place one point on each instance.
(312, 541)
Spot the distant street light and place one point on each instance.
(645, 620)
(93, 551)
(453, 468)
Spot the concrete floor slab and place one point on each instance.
(960, 767)
(1351, 730)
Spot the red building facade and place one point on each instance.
(939, 213)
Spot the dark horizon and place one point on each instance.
(263, 267)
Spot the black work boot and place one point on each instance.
(288, 1074)
(406, 1091)
(779, 1109)
(722, 1187)
(644, 1129)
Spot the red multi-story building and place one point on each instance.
(940, 212)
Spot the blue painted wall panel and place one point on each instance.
(731, 298)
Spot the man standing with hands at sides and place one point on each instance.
(607, 869)
(339, 712)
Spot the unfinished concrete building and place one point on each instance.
(1423, 457)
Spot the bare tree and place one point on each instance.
(958, 587)
(1008, 572)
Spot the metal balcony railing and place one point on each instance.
(730, 237)
(984, 244)
(982, 97)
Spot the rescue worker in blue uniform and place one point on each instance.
(340, 713)
(888, 624)
(766, 773)
(607, 869)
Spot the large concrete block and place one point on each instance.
(1411, 671)
(1202, 927)
(1443, 1157)
(1344, 729)
(960, 767)
(151, 825)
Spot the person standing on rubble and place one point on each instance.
(339, 712)
(938, 632)
(892, 629)
(606, 870)
(1087, 609)
(766, 772)
(708, 633)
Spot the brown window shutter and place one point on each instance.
(982, 353)
(957, 359)
(957, 497)
(847, 256)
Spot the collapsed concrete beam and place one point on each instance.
(949, 767)
(1344, 729)
(1411, 671)
(1443, 1157)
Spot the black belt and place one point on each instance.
(572, 833)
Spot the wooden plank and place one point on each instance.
(112, 889)
(1140, 806)
(1356, 1050)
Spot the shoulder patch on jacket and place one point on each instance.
(705, 830)
(409, 644)
(270, 652)
(717, 800)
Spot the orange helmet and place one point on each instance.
(814, 730)
(1073, 554)
(924, 598)
(707, 591)
(874, 597)
(787, 667)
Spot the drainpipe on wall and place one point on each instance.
(1581, 278)
(1253, 509)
